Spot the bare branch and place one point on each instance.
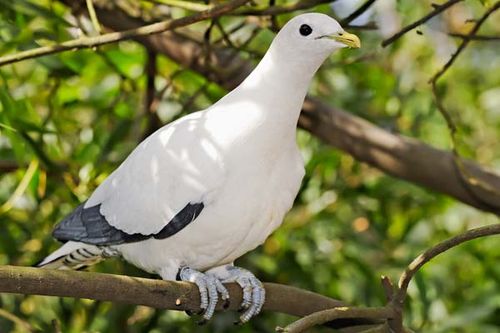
(93, 16)
(280, 9)
(358, 12)
(189, 5)
(437, 10)
(470, 182)
(151, 101)
(160, 294)
(322, 317)
(24, 325)
(465, 41)
(87, 42)
(8, 166)
(422, 259)
(475, 37)
(415, 265)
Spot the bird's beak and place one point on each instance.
(346, 38)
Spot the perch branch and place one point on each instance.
(437, 10)
(160, 294)
(87, 42)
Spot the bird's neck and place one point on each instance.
(266, 106)
(278, 86)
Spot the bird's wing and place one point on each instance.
(163, 185)
(89, 226)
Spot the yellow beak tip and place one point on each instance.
(351, 40)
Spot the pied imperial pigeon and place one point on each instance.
(211, 186)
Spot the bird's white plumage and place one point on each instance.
(237, 160)
(238, 157)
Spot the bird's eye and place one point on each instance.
(305, 30)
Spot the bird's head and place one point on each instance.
(312, 37)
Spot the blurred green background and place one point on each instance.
(67, 120)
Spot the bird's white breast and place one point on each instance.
(260, 182)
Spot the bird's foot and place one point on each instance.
(209, 286)
(254, 293)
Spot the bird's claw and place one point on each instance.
(210, 288)
(254, 293)
(253, 296)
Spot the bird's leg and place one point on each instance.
(209, 286)
(254, 293)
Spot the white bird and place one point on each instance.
(210, 186)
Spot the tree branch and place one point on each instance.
(465, 42)
(437, 10)
(322, 317)
(281, 9)
(421, 260)
(470, 183)
(171, 295)
(87, 42)
(400, 295)
(484, 38)
(358, 12)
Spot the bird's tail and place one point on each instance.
(73, 255)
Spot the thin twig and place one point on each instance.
(21, 188)
(468, 179)
(280, 9)
(56, 326)
(93, 16)
(8, 166)
(475, 37)
(189, 5)
(422, 259)
(465, 41)
(367, 26)
(322, 317)
(355, 14)
(437, 10)
(87, 42)
(150, 100)
(17, 321)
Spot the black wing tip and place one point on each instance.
(88, 225)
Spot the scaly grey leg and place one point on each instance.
(254, 293)
(210, 287)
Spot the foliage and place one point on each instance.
(67, 120)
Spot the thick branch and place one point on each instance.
(87, 42)
(399, 156)
(160, 294)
